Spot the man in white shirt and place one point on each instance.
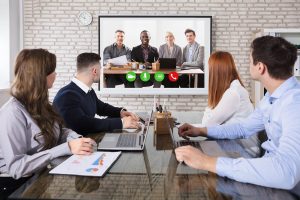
(78, 103)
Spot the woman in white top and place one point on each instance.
(228, 100)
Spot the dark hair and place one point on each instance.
(144, 31)
(30, 88)
(85, 60)
(277, 54)
(189, 31)
(119, 31)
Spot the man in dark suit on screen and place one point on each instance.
(145, 54)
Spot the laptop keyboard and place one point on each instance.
(127, 140)
(186, 142)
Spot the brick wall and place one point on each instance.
(52, 24)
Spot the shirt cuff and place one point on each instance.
(73, 135)
(60, 150)
(224, 166)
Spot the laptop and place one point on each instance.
(125, 141)
(180, 142)
(167, 63)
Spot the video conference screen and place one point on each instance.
(154, 54)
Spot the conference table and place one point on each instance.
(154, 173)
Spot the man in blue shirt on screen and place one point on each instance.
(272, 60)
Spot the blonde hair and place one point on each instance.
(169, 33)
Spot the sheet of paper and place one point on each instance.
(95, 164)
(121, 60)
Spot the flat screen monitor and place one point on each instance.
(130, 48)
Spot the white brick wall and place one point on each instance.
(52, 24)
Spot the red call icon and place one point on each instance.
(173, 76)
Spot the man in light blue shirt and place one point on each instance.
(272, 60)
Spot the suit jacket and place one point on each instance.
(138, 56)
(78, 110)
(197, 56)
(164, 52)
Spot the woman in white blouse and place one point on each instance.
(228, 100)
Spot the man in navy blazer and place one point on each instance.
(79, 106)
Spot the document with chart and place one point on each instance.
(95, 164)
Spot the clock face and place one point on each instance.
(85, 18)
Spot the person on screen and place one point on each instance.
(170, 50)
(80, 107)
(228, 100)
(193, 56)
(271, 63)
(32, 133)
(146, 55)
(112, 51)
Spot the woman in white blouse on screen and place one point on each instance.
(228, 100)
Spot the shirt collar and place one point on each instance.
(192, 45)
(235, 82)
(81, 85)
(115, 45)
(285, 86)
(148, 47)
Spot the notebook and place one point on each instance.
(96, 164)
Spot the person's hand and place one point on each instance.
(126, 114)
(188, 130)
(194, 158)
(82, 146)
(129, 122)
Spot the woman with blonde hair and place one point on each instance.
(170, 50)
(32, 133)
(228, 100)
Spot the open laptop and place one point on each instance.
(180, 142)
(167, 63)
(125, 141)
